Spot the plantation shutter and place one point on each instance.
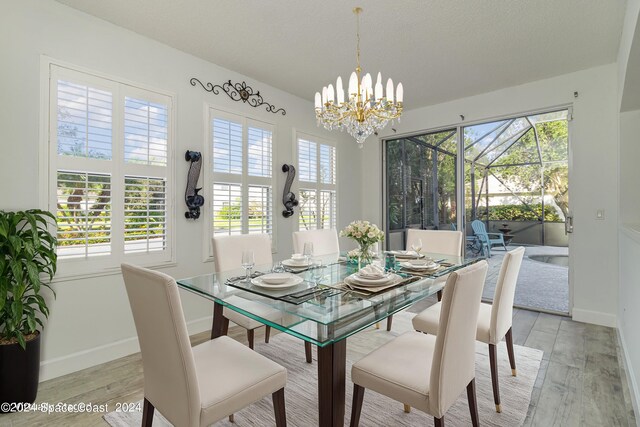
(242, 163)
(317, 184)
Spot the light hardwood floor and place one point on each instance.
(581, 380)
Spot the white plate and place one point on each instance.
(293, 281)
(275, 278)
(355, 280)
(409, 266)
(407, 254)
(295, 264)
(370, 282)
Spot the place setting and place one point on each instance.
(373, 279)
(296, 263)
(414, 253)
(422, 266)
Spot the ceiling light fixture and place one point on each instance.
(366, 109)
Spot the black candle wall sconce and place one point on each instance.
(288, 198)
(191, 196)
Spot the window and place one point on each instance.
(241, 170)
(317, 183)
(109, 156)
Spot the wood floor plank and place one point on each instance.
(599, 339)
(522, 325)
(569, 348)
(560, 401)
(547, 323)
(542, 341)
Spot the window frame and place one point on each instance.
(244, 179)
(318, 185)
(50, 162)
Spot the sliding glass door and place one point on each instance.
(420, 183)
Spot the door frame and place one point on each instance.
(459, 126)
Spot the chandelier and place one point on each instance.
(366, 109)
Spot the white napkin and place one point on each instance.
(371, 271)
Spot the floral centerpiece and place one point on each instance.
(366, 235)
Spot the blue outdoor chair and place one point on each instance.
(480, 230)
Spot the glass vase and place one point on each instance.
(366, 256)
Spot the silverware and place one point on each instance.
(305, 292)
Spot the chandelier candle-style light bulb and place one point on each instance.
(365, 109)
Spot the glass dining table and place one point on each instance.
(323, 309)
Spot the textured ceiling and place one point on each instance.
(440, 50)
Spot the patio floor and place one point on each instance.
(541, 286)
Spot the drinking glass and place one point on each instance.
(317, 271)
(417, 246)
(308, 252)
(248, 261)
(277, 267)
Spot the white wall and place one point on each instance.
(629, 315)
(91, 320)
(593, 181)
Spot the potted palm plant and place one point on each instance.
(27, 266)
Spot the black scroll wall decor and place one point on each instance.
(191, 196)
(239, 92)
(288, 198)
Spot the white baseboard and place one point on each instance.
(74, 362)
(631, 377)
(595, 317)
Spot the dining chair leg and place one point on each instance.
(225, 326)
(267, 333)
(493, 362)
(250, 335)
(389, 322)
(356, 406)
(147, 413)
(438, 422)
(279, 408)
(512, 357)
(307, 351)
(473, 402)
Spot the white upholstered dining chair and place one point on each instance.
(324, 241)
(193, 387)
(227, 255)
(425, 371)
(494, 320)
(445, 242)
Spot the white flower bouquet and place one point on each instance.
(365, 234)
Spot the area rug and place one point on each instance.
(377, 410)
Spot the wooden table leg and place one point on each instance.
(217, 329)
(332, 365)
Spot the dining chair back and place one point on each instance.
(227, 255)
(324, 241)
(446, 242)
(453, 365)
(227, 250)
(502, 307)
(167, 360)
